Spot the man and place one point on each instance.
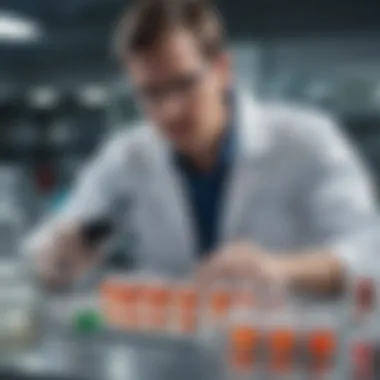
(215, 183)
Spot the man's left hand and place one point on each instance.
(246, 262)
(316, 270)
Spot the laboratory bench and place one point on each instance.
(63, 350)
(112, 356)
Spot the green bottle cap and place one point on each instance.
(88, 321)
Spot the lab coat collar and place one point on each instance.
(252, 143)
(253, 135)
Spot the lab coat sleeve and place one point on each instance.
(94, 197)
(340, 199)
(98, 187)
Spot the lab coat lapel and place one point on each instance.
(171, 196)
(252, 144)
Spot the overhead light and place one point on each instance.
(93, 96)
(43, 97)
(14, 28)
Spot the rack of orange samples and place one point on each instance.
(159, 306)
(258, 337)
(283, 343)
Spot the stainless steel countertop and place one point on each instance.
(63, 354)
(109, 357)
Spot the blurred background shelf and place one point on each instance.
(11, 374)
(45, 152)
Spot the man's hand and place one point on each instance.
(246, 262)
(315, 271)
(60, 256)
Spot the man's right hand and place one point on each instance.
(61, 255)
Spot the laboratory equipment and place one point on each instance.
(18, 308)
(12, 215)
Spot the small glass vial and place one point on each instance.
(155, 298)
(129, 297)
(219, 303)
(185, 309)
(111, 300)
(215, 307)
(362, 356)
(320, 342)
(281, 342)
(244, 346)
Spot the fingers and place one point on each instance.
(237, 262)
(221, 266)
(61, 261)
(245, 265)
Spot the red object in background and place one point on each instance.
(362, 361)
(365, 297)
(45, 178)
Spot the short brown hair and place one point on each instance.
(148, 21)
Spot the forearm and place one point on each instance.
(316, 271)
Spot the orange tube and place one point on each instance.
(154, 302)
(281, 348)
(161, 299)
(111, 302)
(244, 340)
(220, 303)
(187, 309)
(129, 299)
(321, 346)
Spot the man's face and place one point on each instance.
(180, 90)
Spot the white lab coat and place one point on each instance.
(296, 184)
